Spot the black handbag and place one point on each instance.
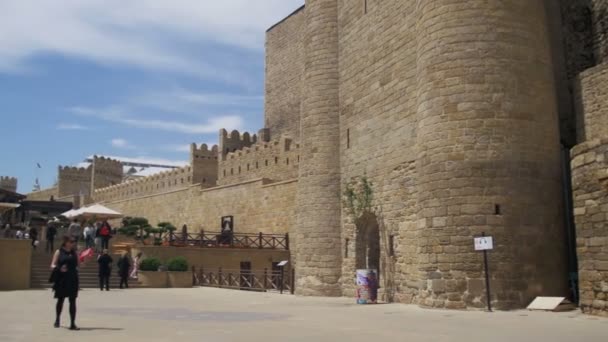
(54, 275)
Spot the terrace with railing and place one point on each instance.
(263, 280)
(227, 240)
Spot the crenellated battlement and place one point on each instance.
(74, 180)
(8, 183)
(105, 172)
(276, 160)
(204, 161)
(236, 141)
(203, 150)
(161, 182)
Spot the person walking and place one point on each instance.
(124, 263)
(75, 231)
(105, 269)
(51, 231)
(136, 263)
(34, 237)
(97, 239)
(65, 279)
(88, 235)
(105, 233)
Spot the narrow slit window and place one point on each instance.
(497, 210)
(346, 246)
(391, 245)
(364, 6)
(348, 138)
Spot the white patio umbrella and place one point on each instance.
(97, 211)
(70, 213)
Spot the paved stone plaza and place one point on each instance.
(205, 314)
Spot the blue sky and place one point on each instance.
(138, 78)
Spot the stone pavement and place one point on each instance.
(205, 314)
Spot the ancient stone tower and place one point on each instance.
(318, 262)
(8, 183)
(489, 153)
(105, 172)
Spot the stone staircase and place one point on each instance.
(40, 273)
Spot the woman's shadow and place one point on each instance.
(97, 328)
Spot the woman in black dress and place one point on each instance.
(65, 279)
(124, 264)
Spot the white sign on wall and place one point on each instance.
(484, 243)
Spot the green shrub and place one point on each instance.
(178, 264)
(150, 264)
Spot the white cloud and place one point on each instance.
(121, 143)
(177, 148)
(124, 117)
(169, 35)
(184, 101)
(71, 127)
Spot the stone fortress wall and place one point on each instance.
(8, 183)
(105, 172)
(74, 181)
(257, 206)
(159, 183)
(589, 158)
(459, 129)
(202, 170)
(285, 74)
(44, 194)
(277, 160)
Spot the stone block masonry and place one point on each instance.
(257, 206)
(285, 75)
(277, 160)
(590, 186)
(318, 256)
(592, 103)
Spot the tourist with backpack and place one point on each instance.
(105, 233)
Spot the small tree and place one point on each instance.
(136, 227)
(358, 197)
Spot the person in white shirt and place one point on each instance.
(89, 233)
(75, 231)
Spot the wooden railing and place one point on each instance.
(217, 240)
(261, 280)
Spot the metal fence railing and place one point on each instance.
(251, 280)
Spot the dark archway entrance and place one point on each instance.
(367, 255)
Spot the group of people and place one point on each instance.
(95, 235)
(21, 234)
(65, 280)
(127, 268)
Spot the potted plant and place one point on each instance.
(179, 275)
(149, 274)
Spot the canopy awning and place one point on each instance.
(8, 206)
(96, 211)
(70, 213)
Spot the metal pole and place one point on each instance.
(485, 265)
(282, 282)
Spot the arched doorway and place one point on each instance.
(367, 255)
